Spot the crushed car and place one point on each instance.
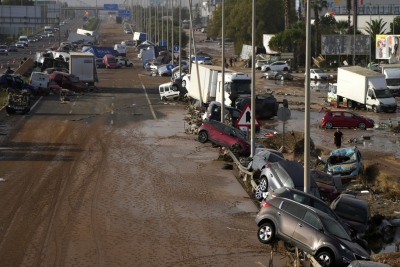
(344, 162)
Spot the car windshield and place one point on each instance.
(343, 156)
(240, 87)
(393, 82)
(351, 213)
(335, 228)
(111, 60)
(383, 93)
(318, 71)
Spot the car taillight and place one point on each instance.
(268, 165)
(265, 204)
(273, 196)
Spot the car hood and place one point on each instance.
(356, 248)
(339, 168)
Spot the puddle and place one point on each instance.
(380, 139)
(380, 245)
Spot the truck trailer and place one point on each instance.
(359, 87)
(392, 74)
(82, 65)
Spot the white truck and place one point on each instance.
(95, 34)
(120, 50)
(82, 65)
(206, 85)
(359, 87)
(75, 37)
(392, 74)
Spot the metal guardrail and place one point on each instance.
(244, 170)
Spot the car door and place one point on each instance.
(288, 217)
(337, 119)
(348, 120)
(307, 232)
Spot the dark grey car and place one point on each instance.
(308, 229)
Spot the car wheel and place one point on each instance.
(266, 233)
(285, 69)
(328, 125)
(203, 137)
(362, 126)
(259, 194)
(164, 98)
(174, 87)
(130, 65)
(263, 185)
(267, 69)
(325, 258)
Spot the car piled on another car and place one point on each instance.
(224, 136)
(277, 75)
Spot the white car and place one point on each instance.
(50, 34)
(277, 65)
(260, 63)
(124, 62)
(317, 74)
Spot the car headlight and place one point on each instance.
(348, 251)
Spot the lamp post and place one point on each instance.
(370, 35)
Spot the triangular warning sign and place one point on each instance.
(245, 117)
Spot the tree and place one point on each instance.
(317, 6)
(396, 25)
(376, 27)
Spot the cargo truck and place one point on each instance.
(359, 87)
(392, 74)
(206, 85)
(82, 65)
(75, 37)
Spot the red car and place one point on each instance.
(223, 135)
(340, 118)
(68, 81)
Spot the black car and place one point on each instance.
(355, 211)
(308, 229)
(12, 48)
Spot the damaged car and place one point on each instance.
(261, 158)
(344, 162)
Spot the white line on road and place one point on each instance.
(148, 100)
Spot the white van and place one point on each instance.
(40, 79)
(167, 92)
(120, 50)
(23, 39)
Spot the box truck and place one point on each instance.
(359, 87)
(82, 65)
(206, 85)
(392, 74)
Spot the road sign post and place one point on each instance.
(244, 119)
(283, 115)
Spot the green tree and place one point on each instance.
(396, 25)
(317, 5)
(376, 27)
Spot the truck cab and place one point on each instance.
(393, 79)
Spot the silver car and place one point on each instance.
(308, 229)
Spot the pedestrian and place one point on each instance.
(230, 61)
(338, 138)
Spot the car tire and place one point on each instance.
(285, 69)
(328, 125)
(362, 126)
(259, 194)
(266, 233)
(267, 69)
(263, 185)
(174, 87)
(325, 258)
(164, 98)
(202, 137)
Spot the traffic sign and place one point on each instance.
(110, 6)
(283, 114)
(124, 13)
(245, 118)
(176, 48)
(170, 67)
(176, 55)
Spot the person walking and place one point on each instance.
(230, 61)
(338, 138)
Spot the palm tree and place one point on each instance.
(376, 27)
(317, 6)
(287, 14)
(341, 27)
(348, 6)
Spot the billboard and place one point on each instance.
(387, 47)
(344, 45)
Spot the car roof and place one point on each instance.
(353, 200)
(345, 150)
(295, 171)
(318, 212)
